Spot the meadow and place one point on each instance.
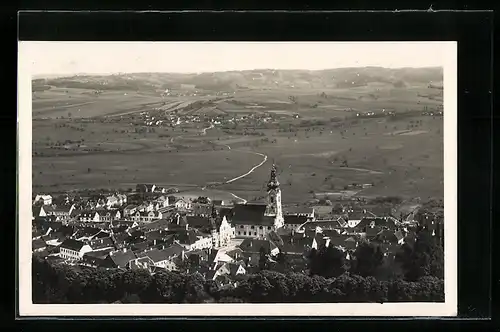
(396, 156)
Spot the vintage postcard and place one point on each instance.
(237, 179)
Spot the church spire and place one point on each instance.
(273, 183)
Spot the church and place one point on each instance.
(257, 220)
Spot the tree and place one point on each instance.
(327, 262)
(424, 258)
(369, 258)
(263, 259)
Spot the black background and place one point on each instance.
(472, 30)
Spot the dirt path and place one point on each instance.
(204, 132)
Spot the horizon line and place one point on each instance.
(221, 71)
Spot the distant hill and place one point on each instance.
(249, 79)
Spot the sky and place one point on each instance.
(67, 58)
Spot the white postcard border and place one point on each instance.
(27, 308)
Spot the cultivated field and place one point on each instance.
(97, 144)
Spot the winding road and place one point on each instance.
(204, 132)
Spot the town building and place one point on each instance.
(45, 199)
(73, 249)
(256, 220)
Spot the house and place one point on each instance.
(158, 189)
(296, 244)
(73, 249)
(38, 211)
(294, 221)
(222, 233)
(193, 239)
(250, 221)
(142, 263)
(145, 188)
(38, 245)
(183, 204)
(146, 216)
(103, 243)
(199, 222)
(389, 236)
(90, 216)
(87, 233)
(122, 199)
(45, 199)
(218, 202)
(300, 211)
(322, 211)
(112, 201)
(163, 258)
(354, 217)
(120, 258)
(255, 245)
(97, 258)
(163, 201)
(129, 210)
(217, 256)
(229, 269)
(60, 212)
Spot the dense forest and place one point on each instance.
(328, 280)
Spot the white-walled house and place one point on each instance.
(46, 199)
(147, 216)
(73, 249)
(183, 204)
(90, 216)
(222, 236)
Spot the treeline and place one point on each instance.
(64, 284)
(415, 274)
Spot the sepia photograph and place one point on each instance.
(231, 178)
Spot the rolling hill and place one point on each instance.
(250, 79)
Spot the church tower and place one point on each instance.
(213, 223)
(273, 208)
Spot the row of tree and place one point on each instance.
(423, 258)
(64, 284)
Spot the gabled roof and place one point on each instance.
(371, 233)
(233, 268)
(88, 214)
(323, 224)
(38, 244)
(130, 207)
(387, 235)
(100, 254)
(198, 221)
(101, 243)
(254, 245)
(322, 209)
(140, 262)
(296, 244)
(294, 210)
(187, 237)
(251, 214)
(120, 258)
(295, 219)
(87, 232)
(158, 255)
(226, 211)
(72, 244)
(357, 215)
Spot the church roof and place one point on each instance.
(251, 214)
